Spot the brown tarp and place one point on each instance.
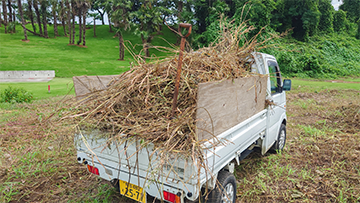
(222, 105)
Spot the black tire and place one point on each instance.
(281, 139)
(225, 190)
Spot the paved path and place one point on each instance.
(27, 76)
(24, 80)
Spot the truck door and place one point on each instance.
(277, 110)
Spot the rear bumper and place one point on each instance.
(151, 181)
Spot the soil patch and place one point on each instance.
(345, 118)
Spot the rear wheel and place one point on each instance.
(280, 142)
(225, 190)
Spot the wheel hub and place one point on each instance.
(282, 140)
(228, 195)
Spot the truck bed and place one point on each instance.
(131, 163)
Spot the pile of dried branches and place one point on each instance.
(138, 103)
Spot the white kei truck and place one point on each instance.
(129, 173)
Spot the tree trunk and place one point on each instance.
(110, 29)
(80, 26)
(73, 21)
(56, 33)
(31, 14)
(94, 27)
(10, 10)
(69, 19)
(44, 18)
(160, 27)
(121, 47)
(180, 9)
(102, 16)
(4, 14)
(62, 16)
(102, 19)
(36, 7)
(22, 18)
(145, 46)
(147, 53)
(84, 25)
(14, 31)
(10, 16)
(148, 42)
(37, 34)
(1, 21)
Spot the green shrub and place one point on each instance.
(323, 56)
(15, 95)
(358, 31)
(340, 22)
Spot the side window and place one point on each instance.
(275, 77)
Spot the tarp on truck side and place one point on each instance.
(222, 105)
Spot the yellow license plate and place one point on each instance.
(132, 191)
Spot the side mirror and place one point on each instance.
(287, 85)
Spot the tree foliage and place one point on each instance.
(201, 13)
(303, 16)
(147, 18)
(120, 16)
(257, 12)
(306, 18)
(217, 10)
(358, 31)
(352, 8)
(340, 21)
(99, 6)
(327, 16)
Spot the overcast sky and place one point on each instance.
(336, 3)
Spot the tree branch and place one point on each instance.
(34, 33)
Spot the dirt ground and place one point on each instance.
(320, 162)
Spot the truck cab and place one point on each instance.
(276, 115)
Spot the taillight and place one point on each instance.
(171, 197)
(93, 169)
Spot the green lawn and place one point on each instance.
(322, 85)
(352, 79)
(58, 87)
(99, 58)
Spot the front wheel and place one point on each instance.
(280, 142)
(225, 190)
